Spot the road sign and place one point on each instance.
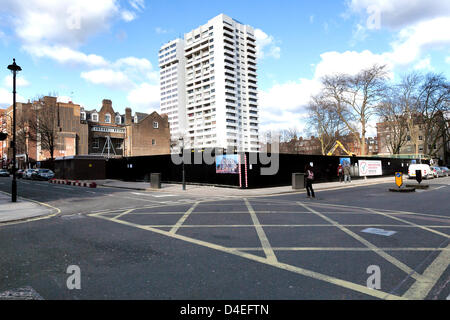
(419, 176)
(399, 179)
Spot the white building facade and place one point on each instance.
(209, 86)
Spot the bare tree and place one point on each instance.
(289, 140)
(433, 102)
(394, 122)
(44, 124)
(324, 122)
(355, 98)
(24, 134)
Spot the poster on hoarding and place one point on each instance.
(369, 168)
(227, 163)
(345, 162)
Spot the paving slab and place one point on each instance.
(235, 192)
(20, 210)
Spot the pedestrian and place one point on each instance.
(340, 172)
(309, 173)
(347, 176)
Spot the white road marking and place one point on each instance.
(380, 232)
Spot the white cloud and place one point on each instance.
(139, 5)
(108, 77)
(400, 13)
(266, 45)
(133, 62)
(350, 62)
(414, 40)
(447, 59)
(20, 81)
(56, 29)
(284, 105)
(424, 64)
(60, 22)
(160, 30)
(66, 55)
(6, 97)
(145, 98)
(128, 15)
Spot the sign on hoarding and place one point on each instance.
(369, 168)
(227, 163)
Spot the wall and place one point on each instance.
(139, 169)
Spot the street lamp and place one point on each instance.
(182, 155)
(14, 69)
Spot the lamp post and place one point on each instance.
(182, 154)
(14, 69)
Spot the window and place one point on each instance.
(155, 125)
(95, 117)
(118, 119)
(153, 142)
(83, 115)
(95, 143)
(107, 118)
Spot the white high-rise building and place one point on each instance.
(209, 86)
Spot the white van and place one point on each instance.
(427, 173)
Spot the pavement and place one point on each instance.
(22, 210)
(235, 192)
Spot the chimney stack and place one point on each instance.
(128, 116)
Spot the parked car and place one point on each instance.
(4, 173)
(446, 171)
(42, 174)
(19, 173)
(427, 173)
(437, 172)
(27, 173)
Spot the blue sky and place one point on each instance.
(92, 50)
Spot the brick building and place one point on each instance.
(83, 132)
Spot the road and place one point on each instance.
(151, 245)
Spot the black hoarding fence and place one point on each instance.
(261, 170)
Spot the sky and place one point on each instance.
(86, 51)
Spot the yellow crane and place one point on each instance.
(336, 145)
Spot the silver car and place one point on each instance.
(42, 174)
(437, 172)
(27, 173)
(445, 170)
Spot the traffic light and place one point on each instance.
(3, 136)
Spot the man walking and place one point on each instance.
(347, 176)
(309, 181)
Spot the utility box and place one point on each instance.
(155, 180)
(298, 181)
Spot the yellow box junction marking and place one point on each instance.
(368, 244)
(261, 234)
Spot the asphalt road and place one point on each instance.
(150, 245)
